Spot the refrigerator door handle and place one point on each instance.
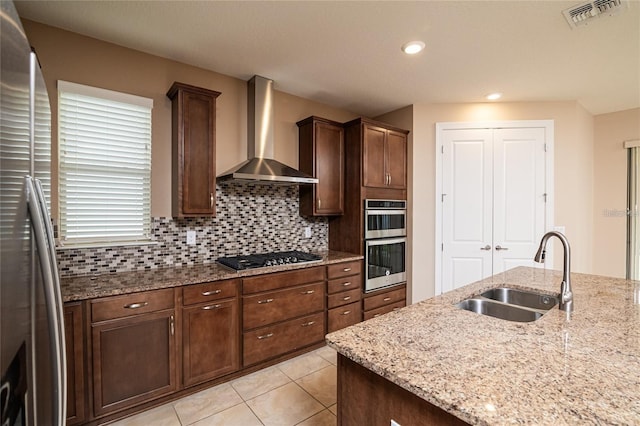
(46, 252)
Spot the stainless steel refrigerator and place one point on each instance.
(32, 343)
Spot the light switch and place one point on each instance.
(307, 232)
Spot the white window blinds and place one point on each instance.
(105, 165)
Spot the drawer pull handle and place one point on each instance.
(260, 302)
(348, 283)
(307, 324)
(208, 308)
(386, 299)
(308, 292)
(346, 270)
(265, 336)
(211, 293)
(136, 305)
(346, 312)
(346, 298)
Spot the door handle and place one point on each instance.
(487, 247)
(501, 248)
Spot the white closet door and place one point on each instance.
(467, 206)
(493, 210)
(518, 196)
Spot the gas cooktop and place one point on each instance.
(239, 263)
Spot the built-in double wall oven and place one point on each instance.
(385, 243)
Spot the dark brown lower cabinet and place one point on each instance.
(74, 345)
(134, 360)
(365, 398)
(211, 340)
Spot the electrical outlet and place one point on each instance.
(307, 232)
(394, 423)
(191, 238)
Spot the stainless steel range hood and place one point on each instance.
(261, 167)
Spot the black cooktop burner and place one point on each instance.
(262, 260)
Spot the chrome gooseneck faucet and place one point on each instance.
(566, 296)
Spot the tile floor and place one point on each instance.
(300, 391)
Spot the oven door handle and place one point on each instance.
(386, 212)
(385, 241)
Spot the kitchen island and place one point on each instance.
(456, 366)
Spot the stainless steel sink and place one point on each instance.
(510, 304)
(521, 298)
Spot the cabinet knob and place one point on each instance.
(346, 312)
(211, 293)
(346, 270)
(308, 292)
(136, 305)
(347, 284)
(346, 298)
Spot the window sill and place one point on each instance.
(105, 244)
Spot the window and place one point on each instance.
(105, 165)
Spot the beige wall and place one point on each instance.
(68, 56)
(573, 170)
(610, 189)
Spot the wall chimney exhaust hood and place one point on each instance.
(261, 167)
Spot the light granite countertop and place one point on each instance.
(94, 286)
(488, 371)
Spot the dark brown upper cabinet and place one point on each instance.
(384, 157)
(321, 154)
(193, 173)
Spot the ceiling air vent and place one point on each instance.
(584, 13)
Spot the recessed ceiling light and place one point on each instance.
(413, 47)
(494, 96)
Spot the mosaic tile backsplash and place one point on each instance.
(249, 219)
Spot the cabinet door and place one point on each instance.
(373, 172)
(75, 363)
(211, 341)
(329, 161)
(397, 160)
(133, 360)
(198, 182)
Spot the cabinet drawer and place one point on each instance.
(346, 283)
(271, 341)
(374, 313)
(131, 304)
(202, 293)
(385, 298)
(343, 316)
(344, 269)
(267, 308)
(339, 299)
(282, 279)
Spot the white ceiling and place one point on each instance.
(347, 54)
